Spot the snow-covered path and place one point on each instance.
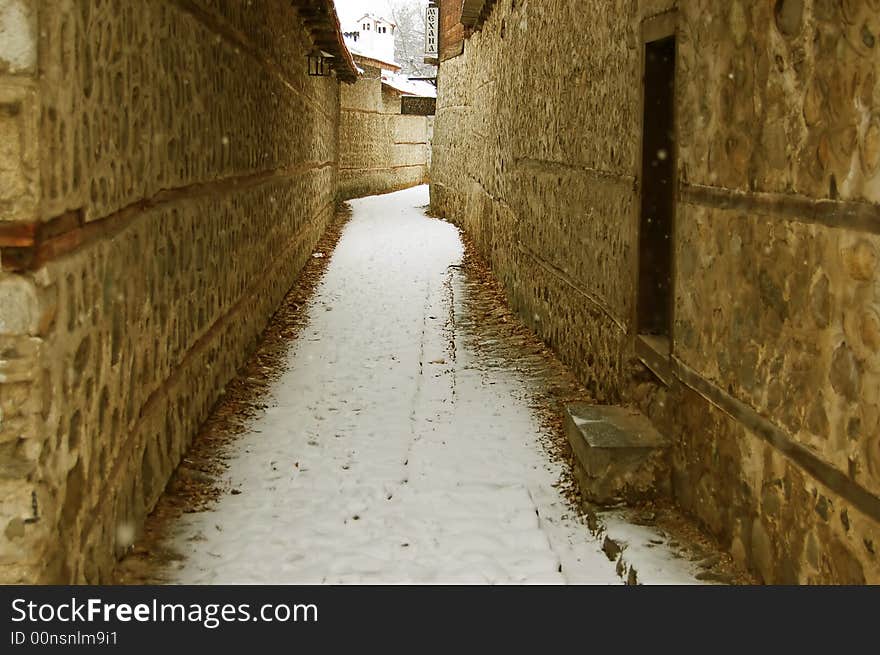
(389, 453)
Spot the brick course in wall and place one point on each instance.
(774, 401)
(166, 168)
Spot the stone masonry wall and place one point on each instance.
(775, 403)
(177, 165)
(380, 149)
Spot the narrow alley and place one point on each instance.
(399, 445)
(439, 291)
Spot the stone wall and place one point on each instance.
(165, 169)
(380, 149)
(774, 396)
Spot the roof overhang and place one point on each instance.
(375, 63)
(320, 19)
(474, 12)
(394, 89)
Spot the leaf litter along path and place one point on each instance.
(410, 436)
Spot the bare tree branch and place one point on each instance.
(409, 39)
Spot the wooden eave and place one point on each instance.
(319, 17)
(475, 12)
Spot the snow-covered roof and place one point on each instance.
(409, 87)
(361, 53)
(372, 59)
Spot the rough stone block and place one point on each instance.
(20, 305)
(18, 47)
(621, 455)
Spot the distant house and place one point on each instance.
(373, 36)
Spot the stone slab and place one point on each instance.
(621, 456)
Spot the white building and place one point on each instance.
(372, 36)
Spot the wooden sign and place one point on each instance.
(432, 32)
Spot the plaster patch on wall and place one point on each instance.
(18, 51)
